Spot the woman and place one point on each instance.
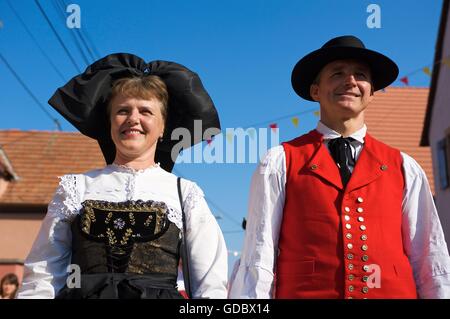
(123, 226)
(8, 286)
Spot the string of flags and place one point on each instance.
(426, 70)
(295, 120)
(272, 124)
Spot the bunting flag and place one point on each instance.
(229, 137)
(251, 132)
(427, 71)
(274, 127)
(295, 121)
(209, 141)
(317, 113)
(404, 80)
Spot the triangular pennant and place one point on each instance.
(317, 113)
(405, 80)
(229, 137)
(251, 132)
(295, 121)
(209, 141)
(426, 70)
(273, 126)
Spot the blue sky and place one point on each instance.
(244, 52)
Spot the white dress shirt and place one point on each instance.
(423, 238)
(45, 270)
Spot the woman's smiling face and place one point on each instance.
(136, 126)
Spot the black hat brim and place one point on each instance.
(384, 71)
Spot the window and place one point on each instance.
(443, 156)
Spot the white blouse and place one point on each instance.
(45, 268)
(423, 238)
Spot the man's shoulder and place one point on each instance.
(309, 138)
(376, 143)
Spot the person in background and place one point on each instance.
(9, 286)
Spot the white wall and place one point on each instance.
(440, 122)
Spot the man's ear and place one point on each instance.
(314, 92)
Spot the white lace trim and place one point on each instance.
(130, 170)
(130, 187)
(175, 217)
(195, 195)
(66, 202)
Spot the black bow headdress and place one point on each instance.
(83, 101)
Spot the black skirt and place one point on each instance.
(122, 286)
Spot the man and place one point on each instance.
(336, 213)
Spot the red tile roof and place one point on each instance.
(39, 157)
(396, 117)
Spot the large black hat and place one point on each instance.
(384, 70)
(83, 101)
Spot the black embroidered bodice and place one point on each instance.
(129, 237)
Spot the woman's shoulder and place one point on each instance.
(189, 188)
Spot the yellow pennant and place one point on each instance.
(317, 113)
(426, 70)
(295, 121)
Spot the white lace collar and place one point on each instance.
(130, 170)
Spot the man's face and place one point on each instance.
(344, 89)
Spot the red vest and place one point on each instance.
(336, 242)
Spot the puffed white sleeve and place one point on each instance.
(423, 237)
(207, 252)
(45, 268)
(255, 275)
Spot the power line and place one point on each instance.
(61, 11)
(222, 211)
(35, 41)
(57, 35)
(80, 35)
(232, 231)
(29, 92)
(210, 202)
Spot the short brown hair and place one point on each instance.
(146, 87)
(9, 279)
